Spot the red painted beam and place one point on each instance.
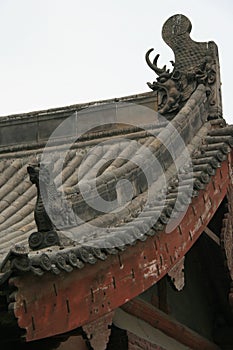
(51, 304)
(159, 320)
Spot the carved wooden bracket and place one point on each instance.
(227, 232)
(227, 239)
(98, 331)
(177, 274)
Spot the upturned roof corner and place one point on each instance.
(96, 214)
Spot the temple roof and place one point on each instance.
(121, 170)
(100, 233)
(136, 178)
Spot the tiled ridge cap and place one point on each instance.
(74, 107)
(36, 128)
(84, 141)
(223, 132)
(34, 131)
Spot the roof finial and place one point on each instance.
(195, 63)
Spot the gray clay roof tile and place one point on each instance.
(111, 161)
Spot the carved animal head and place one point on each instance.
(163, 73)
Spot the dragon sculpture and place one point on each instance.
(195, 63)
(176, 86)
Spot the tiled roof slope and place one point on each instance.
(18, 194)
(177, 150)
(208, 142)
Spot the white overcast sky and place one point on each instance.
(61, 52)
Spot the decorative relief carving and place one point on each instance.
(167, 85)
(227, 233)
(195, 63)
(98, 331)
(227, 242)
(227, 239)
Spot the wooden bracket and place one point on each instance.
(177, 274)
(98, 331)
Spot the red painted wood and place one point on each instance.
(159, 320)
(50, 304)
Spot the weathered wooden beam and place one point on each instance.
(212, 235)
(159, 320)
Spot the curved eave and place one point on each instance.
(68, 301)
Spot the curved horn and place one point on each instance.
(153, 65)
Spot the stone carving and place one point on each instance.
(51, 212)
(195, 63)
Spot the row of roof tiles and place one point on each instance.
(110, 232)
